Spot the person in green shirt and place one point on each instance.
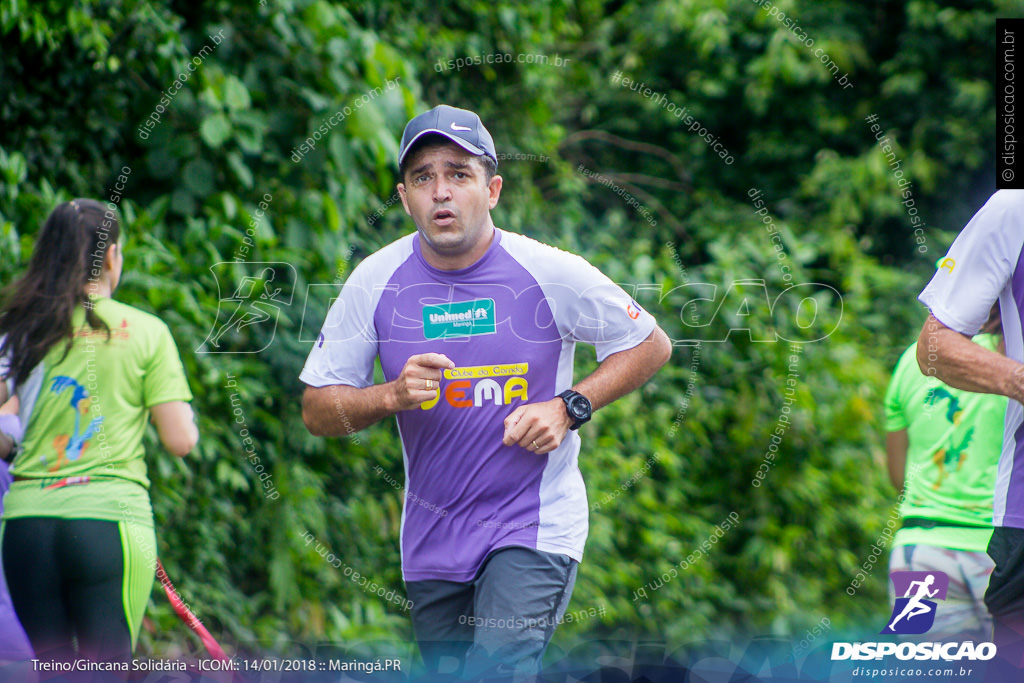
(943, 446)
(78, 544)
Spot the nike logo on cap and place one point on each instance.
(455, 126)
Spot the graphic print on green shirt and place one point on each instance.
(954, 443)
(92, 409)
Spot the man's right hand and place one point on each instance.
(418, 382)
(343, 410)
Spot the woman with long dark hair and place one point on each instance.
(79, 548)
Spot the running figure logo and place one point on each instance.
(248, 316)
(914, 612)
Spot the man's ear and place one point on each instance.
(405, 200)
(494, 187)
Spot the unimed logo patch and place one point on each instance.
(459, 319)
(916, 592)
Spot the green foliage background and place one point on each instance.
(80, 78)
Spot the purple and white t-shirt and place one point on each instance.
(986, 263)
(510, 323)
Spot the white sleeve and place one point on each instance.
(979, 265)
(344, 351)
(587, 306)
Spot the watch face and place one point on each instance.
(578, 406)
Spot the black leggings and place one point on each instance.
(66, 579)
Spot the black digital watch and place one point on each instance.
(577, 406)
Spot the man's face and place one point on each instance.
(449, 199)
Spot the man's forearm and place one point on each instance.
(625, 371)
(959, 362)
(340, 410)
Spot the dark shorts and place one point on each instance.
(498, 623)
(1005, 595)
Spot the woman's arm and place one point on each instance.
(176, 424)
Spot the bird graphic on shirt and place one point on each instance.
(70, 448)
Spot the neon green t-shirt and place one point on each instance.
(955, 438)
(90, 417)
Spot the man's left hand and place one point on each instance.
(537, 427)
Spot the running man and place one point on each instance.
(250, 309)
(985, 264)
(914, 606)
(475, 328)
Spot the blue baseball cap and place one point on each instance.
(461, 126)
